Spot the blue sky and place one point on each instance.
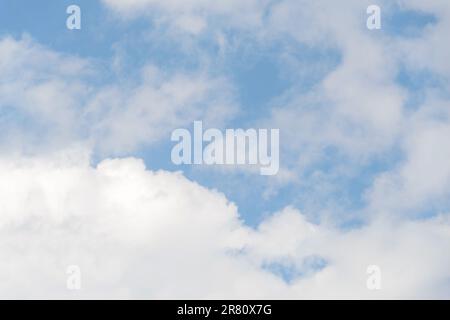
(363, 114)
(257, 70)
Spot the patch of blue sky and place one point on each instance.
(45, 21)
(247, 191)
(260, 75)
(290, 271)
(271, 70)
(244, 189)
(330, 184)
(322, 186)
(418, 83)
(406, 23)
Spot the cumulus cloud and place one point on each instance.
(142, 234)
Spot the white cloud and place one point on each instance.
(424, 176)
(124, 119)
(357, 107)
(429, 51)
(50, 100)
(39, 87)
(360, 109)
(143, 234)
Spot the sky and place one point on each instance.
(87, 179)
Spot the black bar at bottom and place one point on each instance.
(225, 309)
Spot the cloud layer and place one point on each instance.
(141, 234)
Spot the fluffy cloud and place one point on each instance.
(141, 234)
(50, 99)
(121, 120)
(422, 182)
(39, 89)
